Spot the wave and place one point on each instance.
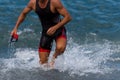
(77, 60)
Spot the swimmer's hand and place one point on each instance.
(51, 30)
(14, 31)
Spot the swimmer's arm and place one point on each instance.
(66, 16)
(23, 14)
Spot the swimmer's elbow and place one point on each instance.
(69, 17)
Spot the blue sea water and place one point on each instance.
(93, 49)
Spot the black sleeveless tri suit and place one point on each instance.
(48, 19)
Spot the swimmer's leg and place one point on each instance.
(45, 48)
(43, 55)
(60, 48)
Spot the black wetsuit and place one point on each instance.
(48, 19)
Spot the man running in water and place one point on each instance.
(49, 12)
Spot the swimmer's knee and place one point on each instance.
(60, 49)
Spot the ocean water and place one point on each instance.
(93, 49)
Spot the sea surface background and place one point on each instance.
(92, 53)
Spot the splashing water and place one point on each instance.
(77, 59)
(88, 58)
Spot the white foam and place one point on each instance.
(82, 59)
(24, 59)
(77, 59)
(25, 30)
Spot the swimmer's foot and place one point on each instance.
(44, 65)
(52, 62)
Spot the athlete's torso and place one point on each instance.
(46, 16)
